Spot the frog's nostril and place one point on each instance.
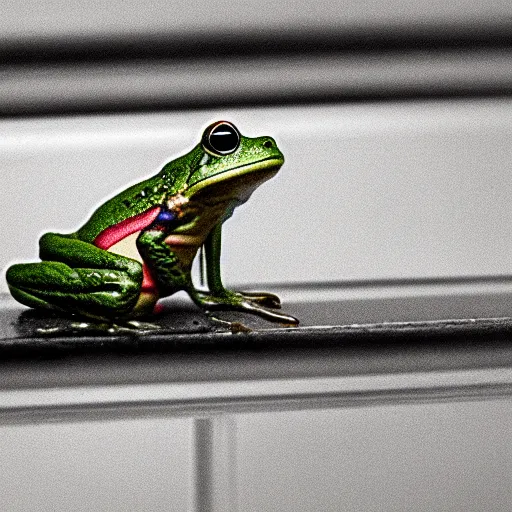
(268, 144)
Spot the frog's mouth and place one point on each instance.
(240, 180)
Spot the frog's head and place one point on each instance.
(228, 165)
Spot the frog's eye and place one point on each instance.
(221, 138)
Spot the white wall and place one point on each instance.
(65, 18)
(129, 464)
(421, 457)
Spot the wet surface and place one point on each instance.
(177, 317)
(32, 323)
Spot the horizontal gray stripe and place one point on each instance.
(168, 84)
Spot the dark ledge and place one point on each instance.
(334, 316)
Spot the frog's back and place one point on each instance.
(134, 206)
(116, 224)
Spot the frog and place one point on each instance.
(139, 246)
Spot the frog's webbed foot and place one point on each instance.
(268, 300)
(243, 302)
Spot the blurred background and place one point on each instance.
(395, 118)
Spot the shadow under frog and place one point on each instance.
(138, 247)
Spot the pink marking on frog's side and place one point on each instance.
(113, 234)
(148, 282)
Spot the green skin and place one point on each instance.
(200, 191)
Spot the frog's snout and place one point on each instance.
(270, 149)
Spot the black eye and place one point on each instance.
(221, 138)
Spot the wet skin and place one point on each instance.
(139, 246)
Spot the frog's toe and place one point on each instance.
(269, 300)
(237, 301)
(31, 300)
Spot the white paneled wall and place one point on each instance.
(454, 456)
(114, 466)
(372, 440)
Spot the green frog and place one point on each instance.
(139, 246)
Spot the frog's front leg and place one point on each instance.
(221, 298)
(77, 277)
(169, 254)
(168, 270)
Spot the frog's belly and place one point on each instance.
(127, 247)
(184, 247)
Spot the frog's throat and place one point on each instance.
(269, 165)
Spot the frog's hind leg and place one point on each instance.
(30, 300)
(96, 293)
